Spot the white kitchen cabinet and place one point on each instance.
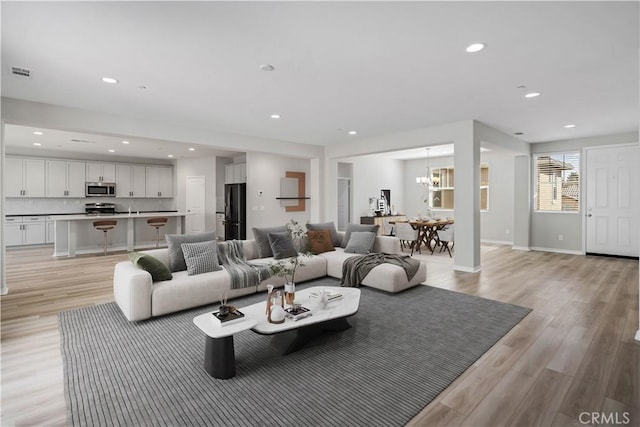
(101, 172)
(26, 177)
(27, 230)
(65, 179)
(235, 173)
(159, 181)
(220, 226)
(130, 181)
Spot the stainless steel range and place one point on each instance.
(100, 208)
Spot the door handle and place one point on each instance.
(589, 215)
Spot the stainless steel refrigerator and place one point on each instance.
(235, 211)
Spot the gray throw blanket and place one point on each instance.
(356, 268)
(243, 274)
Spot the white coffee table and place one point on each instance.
(219, 359)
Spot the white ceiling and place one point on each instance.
(376, 67)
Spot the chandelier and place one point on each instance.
(425, 180)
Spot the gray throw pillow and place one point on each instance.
(153, 265)
(361, 242)
(176, 256)
(260, 234)
(281, 245)
(358, 227)
(326, 226)
(201, 257)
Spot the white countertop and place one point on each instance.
(115, 216)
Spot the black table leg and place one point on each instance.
(219, 357)
(291, 341)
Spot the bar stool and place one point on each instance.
(104, 226)
(157, 222)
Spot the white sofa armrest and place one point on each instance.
(132, 290)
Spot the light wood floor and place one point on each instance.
(574, 353)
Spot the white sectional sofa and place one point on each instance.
(140, 298)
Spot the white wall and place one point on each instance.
(197, 167)
(370, 174)
(264, 172)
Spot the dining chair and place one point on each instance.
(445, 236)
(407, 236)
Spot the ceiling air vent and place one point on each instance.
(83, 141)
(20, 72)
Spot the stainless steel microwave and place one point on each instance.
(100, 189)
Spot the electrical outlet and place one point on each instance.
(560, 237)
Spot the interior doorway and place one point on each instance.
(344, 203)
(195, 205)
(611, 202)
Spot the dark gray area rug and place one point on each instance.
(402, 351)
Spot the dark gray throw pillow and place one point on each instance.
(260, 234)
(361, 242)
(281, 245)
(326, 226)
(358, 227)
(201, 257)
(176, 256)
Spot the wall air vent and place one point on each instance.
(20, 72)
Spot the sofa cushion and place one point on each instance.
(158, 270)
(260, 234)
(201, 257)
(281, 245)
(320, 241)
(326, 226)
(360, 242)
(358, 227)
(176, 256)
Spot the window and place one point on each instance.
(443, 189)
(557, 181)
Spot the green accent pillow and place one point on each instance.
(153, 265)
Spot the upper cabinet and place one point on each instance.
(130, 181)
(159, 181)
(65, 179)
(27, 177)
(101, 172)
(235, 173)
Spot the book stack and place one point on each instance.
(229, 318)
(332, 294)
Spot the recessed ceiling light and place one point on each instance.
(112, 151)
(532, 94)
(109, 80)
(37, 132)
(275, 116)
(475, 47)
(267, 67)
(353, 132)
(192, 149)
(169, 155)
(570, 126)
(37, 144)
(125, 142)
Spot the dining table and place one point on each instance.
(428, 230)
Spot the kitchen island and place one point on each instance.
(74, 234)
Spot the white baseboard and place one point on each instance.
(638, 335)
(521, 248)
(555, 250)
(467, 269)
(496, 242)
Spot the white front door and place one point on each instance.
(612, 200)
(195, 219)
(344, 202)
